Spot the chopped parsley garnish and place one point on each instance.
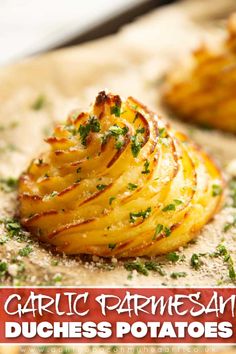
(216, 190)
(163, 137)
(178, 201)
(173, 257)
(162, 132)
(78, 170)
(169, 207)
(161, 229)
(140, 130)
(136, 265)
(144, 214)
(116, 131)
(172, 206)
(24, 252)
(84, 131)
(101, 187)
(115, 110)
(112, 246)
(136, 145)
(39, 103)
(111, 199)
(14, 229)
(155, 267)
(167, 231)
(144, 268)
(195, 261)
(158, 230)
(93, 125)
(176, 275)
(118, 134)
(134, 107)
(8, 184)
(146, 167)
(119, 144)
(137, 141)
(57, 278)
(222, 251)
(3, 268)
(132, 186)
(231, 269)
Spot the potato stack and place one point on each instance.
(118, 181)
(204, 90)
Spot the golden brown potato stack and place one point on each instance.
(118, 181)
(205, 90)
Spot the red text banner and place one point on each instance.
(118, 315)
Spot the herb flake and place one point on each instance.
(146, 168)
(132, 186)
(8, 184)
(39, 103)
(176, 275)
(115, 110)
(195, 261)
(169, 207)
(93, 125)
(101, 187)
(216, 190)
(144, 214)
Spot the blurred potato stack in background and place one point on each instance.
(203, 91)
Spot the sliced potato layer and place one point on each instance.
(204, 91)
(117, 181)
